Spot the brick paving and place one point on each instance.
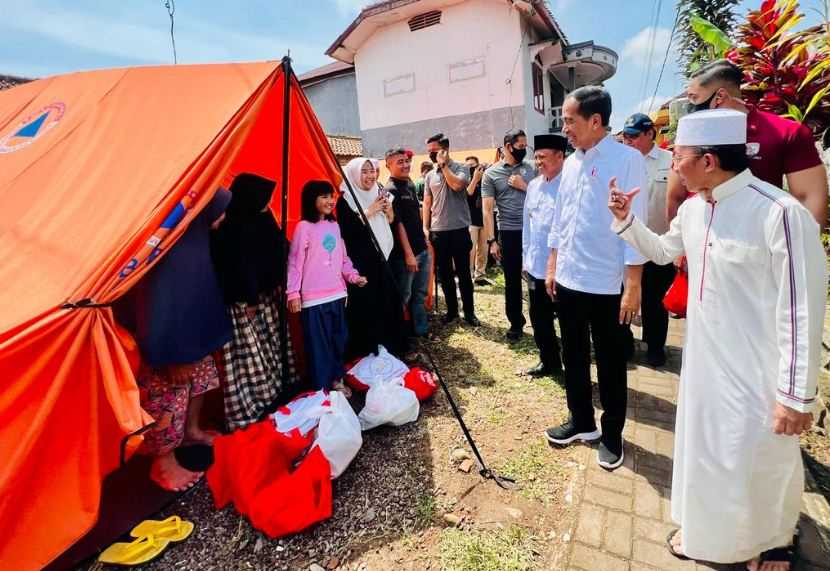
(624, 516)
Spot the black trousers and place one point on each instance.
(656, 282)
(511, 263)
(452, 248)
(542, 313)
(584, 317)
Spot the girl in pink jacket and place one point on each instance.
(318, 269)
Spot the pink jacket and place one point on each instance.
(318, 267)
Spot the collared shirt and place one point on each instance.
(407, 212)
(590, 257)
(510, 201)
(538, 217)
(449, 209)
(658, 165)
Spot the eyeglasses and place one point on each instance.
(677, 158)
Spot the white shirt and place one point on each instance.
(658, 165)
(757, 286)
(590, 257)
(537, 218)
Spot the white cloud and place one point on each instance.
(636, 49)
(618, 119)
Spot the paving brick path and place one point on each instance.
(624, 516)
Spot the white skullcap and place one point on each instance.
(711, 127)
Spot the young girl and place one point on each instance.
(318, 269)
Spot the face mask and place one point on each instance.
(703, 105)
(518, 154)
(433, 156)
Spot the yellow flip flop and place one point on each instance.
(171, 529)
(136, 552)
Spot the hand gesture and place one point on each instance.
(443, 158)
(376, 207)
(517, 182)
(786, 420)
(294, 305)
(619, 202)
(411, 264)
(361, 281)
(629, 304)
(550, 286)
(495, 250)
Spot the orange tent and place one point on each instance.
(100, 172)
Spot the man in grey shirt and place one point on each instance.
(446, 219)
(504, 185)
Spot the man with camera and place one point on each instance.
(446, 218)
(504, 185)
(478, 257)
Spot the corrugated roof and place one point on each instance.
(7, 81)
(328, 70)
(346, 146)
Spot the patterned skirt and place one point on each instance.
(254, 372)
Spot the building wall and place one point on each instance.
(536, 123)
(335, 103)
(452, 77)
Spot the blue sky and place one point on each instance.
(44, 37)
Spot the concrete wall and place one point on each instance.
(335, 102)
(536, 123)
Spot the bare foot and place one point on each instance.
(167, 473)
(341, 386)
(756, 565)
(676, 542)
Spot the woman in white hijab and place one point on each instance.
(374, 313)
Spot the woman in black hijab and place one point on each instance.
(247, 251)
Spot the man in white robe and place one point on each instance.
(757, 286)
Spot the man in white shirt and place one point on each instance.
(586, 267)
(757, 279)
(639, 133)
(537, 218)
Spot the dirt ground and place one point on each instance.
(404, 503)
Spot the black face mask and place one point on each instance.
(703, 105)
(518, 154)
(433, 156)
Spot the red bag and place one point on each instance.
(677, 297)
(421, 382)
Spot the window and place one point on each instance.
(424, 20)
(538, 89)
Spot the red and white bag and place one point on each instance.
(420, 382)
(373, 369)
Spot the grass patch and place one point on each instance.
(425, 509)
(511, 549)
(532, 468)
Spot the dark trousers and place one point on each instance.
(542, 312)
(511, 263)
(656, 282)
(324, 337)
(584, 317)
(452, 249)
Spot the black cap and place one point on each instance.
(553, 141)
(637, 123)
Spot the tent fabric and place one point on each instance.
(100, 173)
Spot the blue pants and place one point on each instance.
(413, 289)
(324, 334)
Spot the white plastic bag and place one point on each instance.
(389, 402)
(373, 369)
(303, 413)
(338, 434)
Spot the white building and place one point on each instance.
(471, 69)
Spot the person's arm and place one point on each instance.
(487, 206)
(408, 255)
(550, 275)
(471, 188)
(296, 265)
(456, 182)
(426, 211)
(675, 195)
(809, 186)
(553, 244)
(525, 231)
(800, 271)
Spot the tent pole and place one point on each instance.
(283, 301)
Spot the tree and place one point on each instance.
(693, 50)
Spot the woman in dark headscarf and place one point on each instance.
(247, 250)
(374, 313)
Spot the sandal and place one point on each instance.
(670, 547)
(136, 552)
(173, 529)
(780, 554)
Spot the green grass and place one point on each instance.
(532, 468)
(511, 549)
(425, 509)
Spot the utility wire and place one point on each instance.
(171, 10)
(665, 58)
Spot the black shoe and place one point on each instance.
(514, 334)
(472, 320)
(540, 370)
(608, 459)
(566, 433)
(656, 358)
(449, 318)
(482, 281)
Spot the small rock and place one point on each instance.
(552, 534)
(368, 516)
(514, 513)
(566, 538)
(260, 543)
(452, 519)
(459, 454)
(473, 390)
(363, 566)
(332, 563)
(466, 466)
(569, 498)
(315, 567)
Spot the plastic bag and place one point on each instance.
(302, 413)
(373, 369)
(389, 403)
(677, 297)
(339, 434)
(421, 382)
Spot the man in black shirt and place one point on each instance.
(478, 257)
(410, 256)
